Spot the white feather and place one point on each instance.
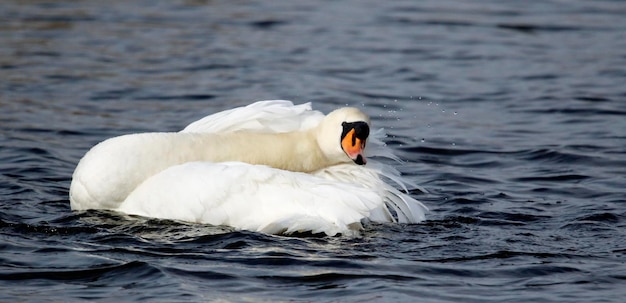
(251, 197)
(262, 116)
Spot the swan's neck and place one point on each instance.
(294, 151)
(115, 167)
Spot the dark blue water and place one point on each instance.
(512, 114)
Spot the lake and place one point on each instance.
(512, 115)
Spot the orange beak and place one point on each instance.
(353, 147)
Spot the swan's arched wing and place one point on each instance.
(252, 197)
(261, 116)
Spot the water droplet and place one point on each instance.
(455, 113)
(423, 140)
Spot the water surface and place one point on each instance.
(510, 114)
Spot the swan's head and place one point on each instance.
(342, 135)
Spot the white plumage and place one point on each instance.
(163, 175)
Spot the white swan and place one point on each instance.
(271, 166)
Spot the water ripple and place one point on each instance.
(509, 114)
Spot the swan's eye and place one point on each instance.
(361, 130)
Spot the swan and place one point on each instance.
(271, 167)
